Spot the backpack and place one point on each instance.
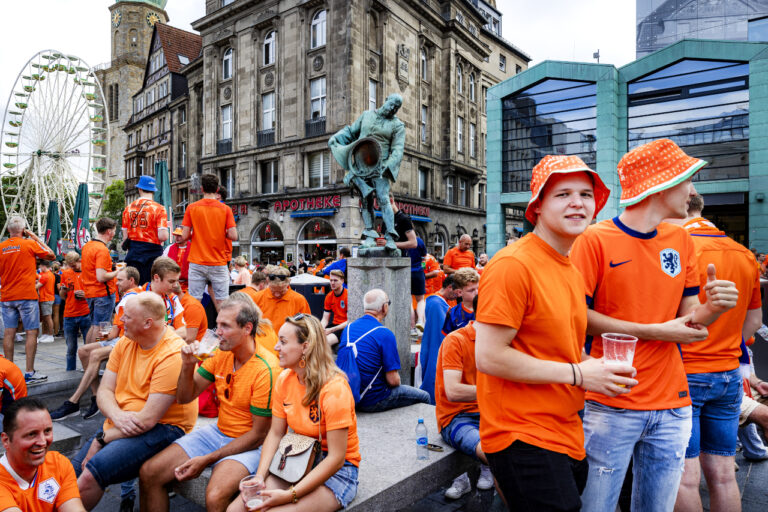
(347, 361)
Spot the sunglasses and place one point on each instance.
(275, 277)
(230, 381)
(298, 317)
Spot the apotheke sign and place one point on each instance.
(308, 203)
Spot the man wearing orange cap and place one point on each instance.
(712, 365)
(642, 279)
(178, 251)
(530, 331)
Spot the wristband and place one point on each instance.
(574, 374)
(294, 498)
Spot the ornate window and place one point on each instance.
(226, 65)
(423, 64)
(459, 79)
(472, 87)
(318, 29)
(270, 47)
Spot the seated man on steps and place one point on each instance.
(233, 445)
(377, 359)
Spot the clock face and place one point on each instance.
(117, 17)
(152, 18)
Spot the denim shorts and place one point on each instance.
(27, 311)
(217, 275)
(463, 432)
(121, 459)
(343, 483)
(101, 308)
(109, 343)
(716, 401)
(208, 439)
(46, 308)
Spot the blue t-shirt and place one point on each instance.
(417, 254)
(377, 349)
(435, 311)
(457, 318)
(338, 264)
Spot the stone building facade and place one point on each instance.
(132, 23)
(278, 78)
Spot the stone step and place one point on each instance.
(64, 439)
(59, 381)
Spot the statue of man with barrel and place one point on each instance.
(371, 150)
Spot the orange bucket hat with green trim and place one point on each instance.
(562, 164)
(653, 167)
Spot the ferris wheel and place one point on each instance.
(55, 135)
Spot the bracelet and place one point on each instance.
(581, 376)
(574, 374)
(294, 498)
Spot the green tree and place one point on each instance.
(114, 200)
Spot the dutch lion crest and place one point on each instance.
(670, 262)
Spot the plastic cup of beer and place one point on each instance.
(208, 345)
(104, 329)
(618, 352)
(251, 487)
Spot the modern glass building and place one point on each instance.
(663, 22)
(710, 97)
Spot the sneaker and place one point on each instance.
(485, 481)
(458, 488)
(34, 377)
(415, 333)
(65, 410)
(92, 411)
(19, 338)
(419, 327)
(45, 338)
(126, 505)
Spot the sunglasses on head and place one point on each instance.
(298, 317)
(275, 277)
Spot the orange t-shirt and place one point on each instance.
(337, 410)
(721, 350)
(457, 352)
(143, 372)
(209, 220)
(46, 291)
(174, 309)
(143, 218)
(194, 315)
(531, 287)
(12, 380)
(250, 388)
(54, 484)
(336, 305)
(96, 255)
(276, 310)
(251, 292)
(18, 271)
(640, 277)
(73, 306)
(268, 339)
(434, 284)
(456, 259)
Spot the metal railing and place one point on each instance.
(265, 138)
(314, 127)
(223, 146)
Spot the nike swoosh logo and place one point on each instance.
(286, 405)
(614, 265)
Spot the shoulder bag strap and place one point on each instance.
(354, 350)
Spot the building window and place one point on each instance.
(423, 183)
(424, 118)
(183, 155)
(182, 115)
(141, 166)
(317, 97)
(439, 244)
(133, 35)
(518, 68)
(423, 64)
(319, 169)
(226, 122)
(502, 63)
(450, 183)
(268, 111)
(463, 192)
(225, 3)
(472, 87)
(481, 196)
(269, 177)
(372, 94)
(472, 130)
(138, 136)
(459, 79)
(269, 48)
(460, 134)
(226, 65)
(227, 178)
(318, 29)
(162, 126)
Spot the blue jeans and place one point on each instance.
(101, 308)
(752, 445)
(72, 325)
(28, 311)
(121, 459)
(401, 396)
(463, 432)
(655, 440)
(716, 401)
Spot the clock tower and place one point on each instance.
(131, 25)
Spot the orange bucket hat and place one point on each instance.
(653, 167)
(562, 164)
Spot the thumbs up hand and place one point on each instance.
(721, 295)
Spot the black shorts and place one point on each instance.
(418, 282)
(534, 479)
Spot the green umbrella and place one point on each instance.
(81, 227)
(163, 193)
(53, 229)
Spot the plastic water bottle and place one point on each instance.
(421, 441)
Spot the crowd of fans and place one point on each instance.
(510, 354)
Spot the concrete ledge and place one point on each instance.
(390, 475)
(64, 439)
(59, 381)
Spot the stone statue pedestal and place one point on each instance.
(393, 275)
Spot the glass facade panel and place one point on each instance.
(701, 105)
(552, 117)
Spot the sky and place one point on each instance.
(544, 29)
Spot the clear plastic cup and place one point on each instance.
(251, 487)
(618, 352)
(104, 329)
(208, 345)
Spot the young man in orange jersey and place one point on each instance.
(642, 279)
(530, 331)
(45, 291)
(712, 366)
(98, 275)
(145, 224)
(195, 319)
(77, 316)
(335, 309)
